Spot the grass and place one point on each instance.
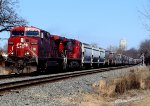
(136, 79)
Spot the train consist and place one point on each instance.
(32, 49)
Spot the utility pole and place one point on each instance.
(143, 59)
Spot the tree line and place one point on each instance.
(144, 49)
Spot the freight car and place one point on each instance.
(118, 59)
(92, 56)
(32, 49)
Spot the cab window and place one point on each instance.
(17, 33)
(32, 33)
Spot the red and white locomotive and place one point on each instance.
(32, 49)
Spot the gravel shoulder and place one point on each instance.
(69, 92)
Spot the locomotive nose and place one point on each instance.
(21, 48)
(18, 47)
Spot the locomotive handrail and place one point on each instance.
(32, 52)
(11, 50)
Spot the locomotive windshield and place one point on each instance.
(32, 33)
(22, 33)
(17, 33)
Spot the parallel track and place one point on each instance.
(13, 76)
(49, 78)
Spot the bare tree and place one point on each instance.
(145, 48)
(8, 17)
(145, 15)
(112, 48)
(132, 53)
(120, 51)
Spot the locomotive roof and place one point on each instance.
(56, 37)
(23, 28)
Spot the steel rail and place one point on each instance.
(13, 76)
(49, 78)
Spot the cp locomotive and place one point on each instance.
(32, 49)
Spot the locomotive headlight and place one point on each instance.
(27, 53)
(12, 53)
(34, 49)
(22, 40)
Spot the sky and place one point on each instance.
(103, 22)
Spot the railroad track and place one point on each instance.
(14, 76)
(25, 75)
(50, 78)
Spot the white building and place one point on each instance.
(123, 44)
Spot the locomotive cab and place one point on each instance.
(23, 49)
(23, 43)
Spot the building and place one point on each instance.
(123, 44)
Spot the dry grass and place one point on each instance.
(137, 79)
(130, 86)
(3, 69)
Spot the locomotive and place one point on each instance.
(32, 49)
